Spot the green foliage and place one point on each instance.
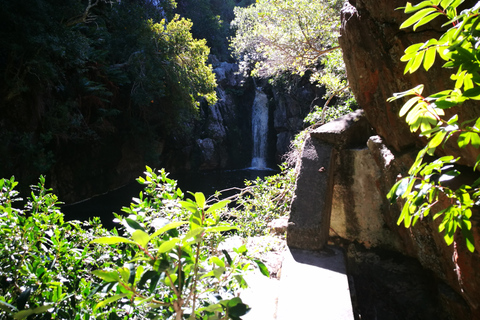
(45, 262)
(211, 21)
(333, 77)
(163, 264)
(173, 268)
(77, 73)
(429, 184)
(326, 114)
(186, 57)
(285, 35)
(261, 201)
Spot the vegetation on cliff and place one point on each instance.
(79, 72)
(435, 186)
(211, 21)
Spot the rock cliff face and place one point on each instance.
(290, 106)
(219, 139)
(344, 174)
(225, 141)
(373, 44)
(355, 179)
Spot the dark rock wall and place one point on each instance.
(291, 104)
(372, 45)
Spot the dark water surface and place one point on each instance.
(207, 182)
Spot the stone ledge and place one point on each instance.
(349, 131)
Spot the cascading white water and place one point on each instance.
(259, 130)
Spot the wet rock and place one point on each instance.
(207, 147)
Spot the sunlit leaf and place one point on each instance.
(168, 245)
(200, 200)
(448, 176)
(190, 206)
(218, 272)
(426, 20)
(107, 276)
(25, 313)
(437, 139)
(141, 237)
(170, 280)
(473, 93)
(409, 8)
(221, 229)
(170, 226)
(429, 60)
(112, 240)
(463, 139)
(445, 3)
(417, 17)
(412, 49)
(134, 224)
(414, 91)
(124, 273)
(192, 233)
(109, 300)
(262, 267)
(393, 193)
(475, 139)
(217, 261)
(402, 215)
(417, 62)
(406, 107)
(218, 205)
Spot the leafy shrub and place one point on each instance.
(173, 269)
(273, 38)
(261, 201)
(326, 114)
(164, 262)
(45, 263)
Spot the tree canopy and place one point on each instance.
(78, 71)
(297, 36)
(211, 21)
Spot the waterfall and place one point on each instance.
(259, 130)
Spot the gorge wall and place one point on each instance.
(362, 176)
(224, 140)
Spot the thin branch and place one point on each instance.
(325, 106)
(85, 17)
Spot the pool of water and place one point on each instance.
(207, 182)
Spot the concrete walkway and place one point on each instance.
(313, 285)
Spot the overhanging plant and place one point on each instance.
(427, 182)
